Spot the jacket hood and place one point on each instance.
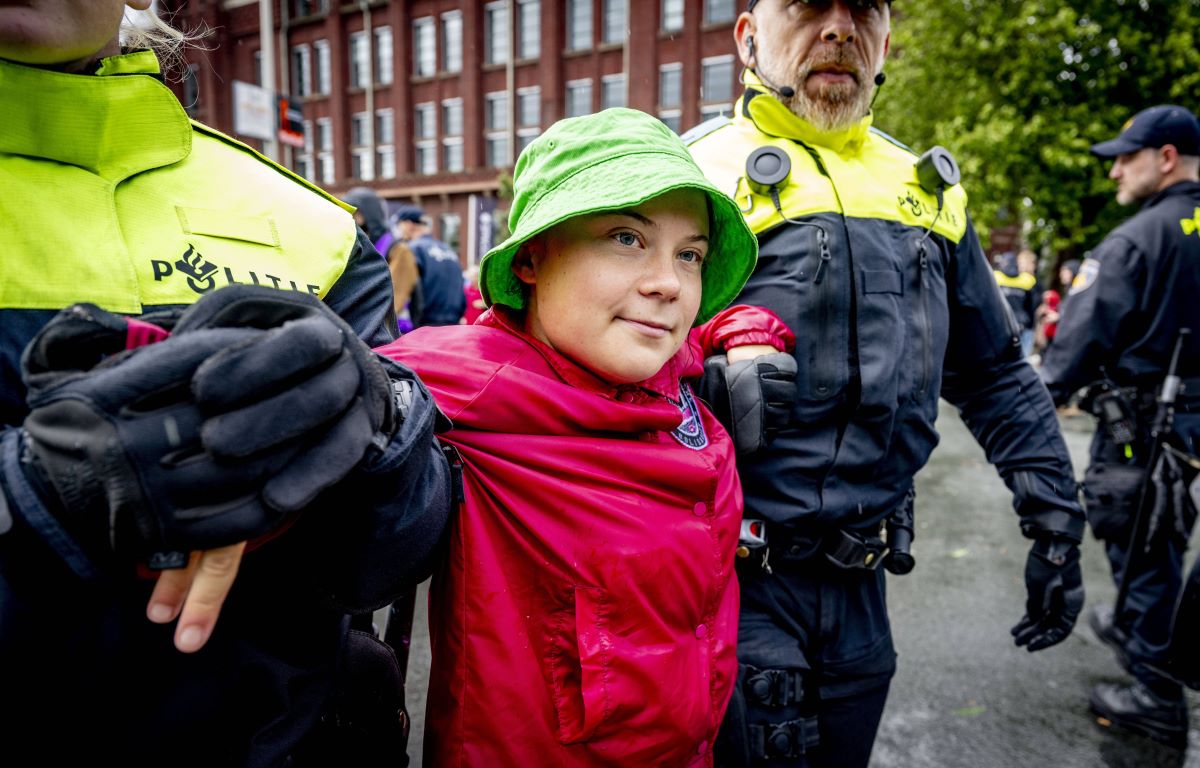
(371, 207)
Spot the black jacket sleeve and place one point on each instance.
(1002, 400)
(1094, 318)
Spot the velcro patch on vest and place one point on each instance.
(690, 431)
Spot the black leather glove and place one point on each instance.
(1055, 584)
(258, 401)
(751, 398)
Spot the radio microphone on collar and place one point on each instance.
(784, 91)
(879, 81)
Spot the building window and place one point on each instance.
(360, 123)
(385, 140)
(670, 86)
(719, 11)
(716, 79)
(426, 157)
(452, 41)
(495, 33)
(452, 117)
(423, 121)
(579, 98)
(497, 150)
(529, 29)
(612, 91)
(496, 111)
(672, 15)
(304, 158)
(303, 8)
(714, 110)
(671, 118)
(452, 154)
(301, 71)
(383, 55)
(324, 143)
(525, 137)
(579, 25)
(385, 162)
(424, 48)
(359, 59)
(529, 107)
(451, 226)
(324, 80)
(385, 130)
(614, 21)
(362, 164)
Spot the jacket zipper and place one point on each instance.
(926, 331)
(824, 374)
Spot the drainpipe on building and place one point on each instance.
(285, 70)
(510, 85)
(369, 34)
(266, 38)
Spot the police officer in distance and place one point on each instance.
(893, 304)
(1119, 324)
(440, 270)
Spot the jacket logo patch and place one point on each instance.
(912, 204)
(1088, 272)
(690, 431)
(203, 275)
(1191, 226)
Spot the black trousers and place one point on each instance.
(831, 627)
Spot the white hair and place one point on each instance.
(146, 29)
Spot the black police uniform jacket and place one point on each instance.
(893, 303)
(1130, 298)
(147, 212)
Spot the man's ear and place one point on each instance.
(1168, 158)
(743, 31)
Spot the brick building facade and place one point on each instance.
(430, 101)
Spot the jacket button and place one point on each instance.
(700, 510)
(701, 631)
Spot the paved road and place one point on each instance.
(964, 696)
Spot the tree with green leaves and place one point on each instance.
(1018, 90)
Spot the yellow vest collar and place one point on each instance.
(116, 123)
(773, 118)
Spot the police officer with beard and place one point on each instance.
(1118, 329)
(870, 256)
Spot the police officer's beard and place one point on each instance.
(835, 105)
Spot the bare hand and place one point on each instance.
(195, 594)
(748, 352)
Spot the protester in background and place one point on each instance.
(371, 216)
(586, 612)
(1018, 283)
(1046, 318)
(475, 303)
(1066, 276)
(442, 298)
(1119, 327)
(133, 473)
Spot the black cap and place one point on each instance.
(408, 213)
(750, 5)
(1155, 127)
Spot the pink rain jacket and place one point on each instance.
(586, 611)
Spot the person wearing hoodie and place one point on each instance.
(1019, 285)
(585, 612)
(204, 471)
(370, 214)
(870, 256)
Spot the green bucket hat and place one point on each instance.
(614, 159)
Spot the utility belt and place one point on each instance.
(772, 547)
(1124, 412)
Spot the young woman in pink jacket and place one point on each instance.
(585, 612)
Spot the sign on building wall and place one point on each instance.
(254, 110)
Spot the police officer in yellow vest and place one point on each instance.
(1019, 287)
(150, 432)
(871, 258)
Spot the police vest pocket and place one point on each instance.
(1111, 493)
(882, 281)
(578, 661)
(228, 225)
